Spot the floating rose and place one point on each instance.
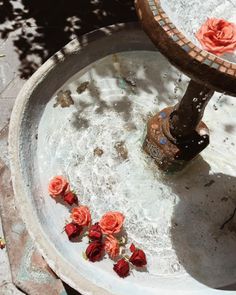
(70, 198)
(122, 268)
(138, 258)
(217, 36)
(73, 230)
(112, 246)
(95, 232)
(101, 234)
(94, 251)
(81, 215)
(2, 243)
(111, 222)
(58, 186)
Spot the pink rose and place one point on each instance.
(217, 36)
(111, 246)
(81, 215)
(58, 186)
(111, 222)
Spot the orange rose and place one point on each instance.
(58, 186)
(111, 222)
(81, 215)
(112, 246)
(217, 36)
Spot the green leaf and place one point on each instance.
(84, 256)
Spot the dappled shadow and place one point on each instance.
(203, 235)
(41, 28)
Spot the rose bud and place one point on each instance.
(94, 251)
(132, 248)
(2, 243)
(138, 258)
(95, 232)
(58, 186)
(70, 198)
(73, 230)
(122, 268)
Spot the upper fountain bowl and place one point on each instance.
(172, 26)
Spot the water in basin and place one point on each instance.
(176, 219)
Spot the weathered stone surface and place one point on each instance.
(22, 266)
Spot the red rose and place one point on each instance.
(70, 198)
(122, 268)
(94, 251)
(95, 232)
(138, 258)
(73, 230)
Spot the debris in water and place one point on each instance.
(98, 152)
(64, 99)
(82, 87)
(121, 150)
(130, 81)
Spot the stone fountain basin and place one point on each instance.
(176, 219)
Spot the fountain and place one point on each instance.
(89, 114)
(176, 135)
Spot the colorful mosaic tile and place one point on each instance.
(207, 62)
(193, 53)
(231, 72)
(200, 58)
(233, 66)
(215, 65)
(211, 57)
(186, 48)
(204, 53)
(223, 69)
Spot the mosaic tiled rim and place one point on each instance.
(199, 64)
